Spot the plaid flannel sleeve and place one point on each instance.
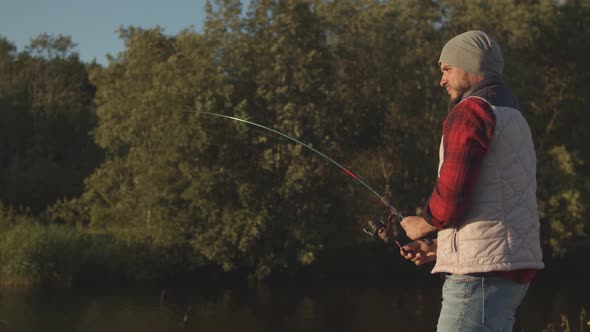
(467, 133)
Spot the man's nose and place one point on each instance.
(443, 81)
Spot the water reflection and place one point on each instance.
(400, 305)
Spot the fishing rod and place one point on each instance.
(376, 225)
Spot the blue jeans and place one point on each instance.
(479, 302)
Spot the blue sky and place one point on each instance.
(92, 23)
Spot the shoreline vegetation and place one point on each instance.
(36, 255)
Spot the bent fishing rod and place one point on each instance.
(376, 225)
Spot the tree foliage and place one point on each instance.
(46, 116)
(357, 80)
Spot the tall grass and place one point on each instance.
(33, 254)
(565, 326)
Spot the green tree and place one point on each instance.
(357, 80)
(47, 115)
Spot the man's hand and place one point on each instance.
(382, 234)
(419, 252)
(416, 227)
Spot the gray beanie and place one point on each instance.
(475, 52)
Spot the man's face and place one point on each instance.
(455, 80)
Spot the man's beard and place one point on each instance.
(453, 102)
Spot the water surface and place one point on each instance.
(399, 305)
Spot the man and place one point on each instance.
(483, 205)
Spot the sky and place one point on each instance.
(92, 24)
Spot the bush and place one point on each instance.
(32, 253)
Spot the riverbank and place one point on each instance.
(36, 255)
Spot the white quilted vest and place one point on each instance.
(500, 230)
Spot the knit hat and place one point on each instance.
(475, 52)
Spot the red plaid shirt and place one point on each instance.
(467, 133)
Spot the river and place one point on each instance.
(328, 305)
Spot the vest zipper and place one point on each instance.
(454, 240)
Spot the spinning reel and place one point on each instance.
(388, 230)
